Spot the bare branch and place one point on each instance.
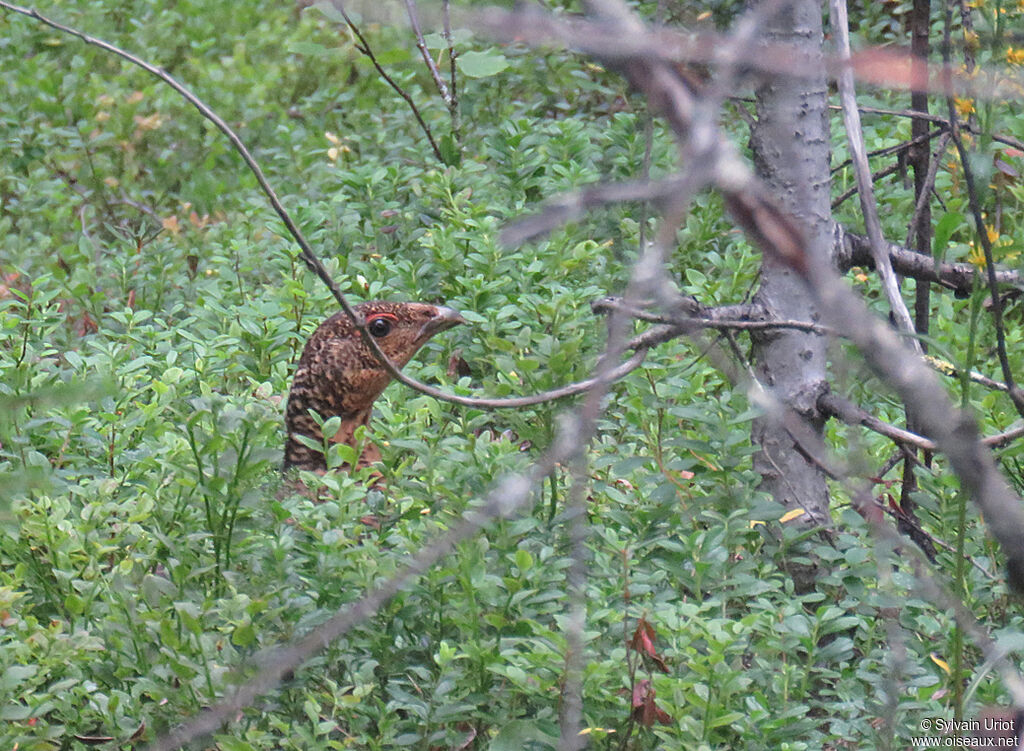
(453, 84)
(927, 186)
(869, 208)
(1001, 439)
(428, 59)
(854, 250)
(570, 207)
(853, 190)
(889, 150)
(367, 50)
(834, 405)
(920, 115)
(692, 316)
(947, 368)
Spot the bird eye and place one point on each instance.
(379, 326)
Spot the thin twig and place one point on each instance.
(928, 185)
(889, 150)
(854, 189)
(568, 207)
(918, 114)
(947, 368)
(749, 317)
(364, 47)
(428, 59)
(453, 85)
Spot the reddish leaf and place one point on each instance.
(645, 710)
(643, 642)
(1006, 168)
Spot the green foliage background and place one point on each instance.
(152, 309)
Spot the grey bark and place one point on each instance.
(790, 141)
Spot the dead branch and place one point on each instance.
(918, 114)
(428, 59)
(865, 189)
(851, 250)
(364, 47)
(690, 316)
(834, 405)
(898, 148)
(853, 190)
(927, 187)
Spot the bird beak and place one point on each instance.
(444, 318)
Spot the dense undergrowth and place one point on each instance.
(152, 308)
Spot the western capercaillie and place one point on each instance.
(339, 376)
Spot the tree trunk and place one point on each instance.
(791, 148)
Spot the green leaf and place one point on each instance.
(74, 604)
(944, 229)
(449, 148)
(244, 635)
(231, 743)
(393, 56)
(520, 734)
(330, 427)
(436, 41)
(481, 64)
(311, 49)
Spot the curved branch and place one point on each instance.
(306, 252)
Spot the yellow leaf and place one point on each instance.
(790, 515)
(941, 663)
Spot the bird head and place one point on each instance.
(339, 375)
(400, 329)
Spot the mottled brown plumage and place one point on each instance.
(338, 374)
